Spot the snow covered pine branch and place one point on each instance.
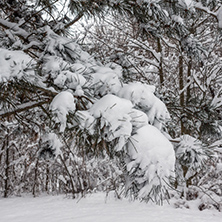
(129, 116)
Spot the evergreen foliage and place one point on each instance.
(74, 124)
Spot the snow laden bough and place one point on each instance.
(148, 155)
(129, 117)
(61, 105)
(150, 164)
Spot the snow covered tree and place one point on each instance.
(84, 125)
(79, 108)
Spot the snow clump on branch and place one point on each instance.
(61, 105)
(15, 65)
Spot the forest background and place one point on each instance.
(112, 95)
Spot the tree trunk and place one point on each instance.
(35, 179)
(159, 50)
(6, 178)
(47, 179)
(182, 97)
(189, 68)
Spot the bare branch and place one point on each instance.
(22, 107)
(76, 19)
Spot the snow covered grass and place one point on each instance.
(96, 207)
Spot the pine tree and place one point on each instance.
(88, 126)
(49, 83)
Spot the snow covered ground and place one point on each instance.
(96, 208)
